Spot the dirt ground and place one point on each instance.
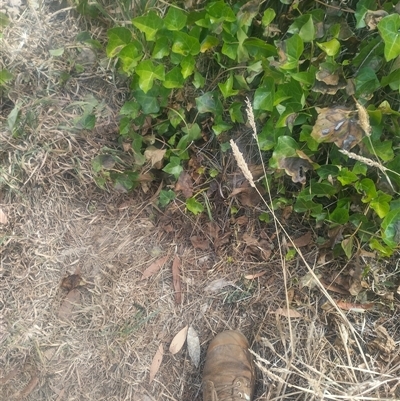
(79, 322)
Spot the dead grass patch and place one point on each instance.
(97, 341)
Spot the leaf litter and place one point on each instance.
(3, 217)
(193, 343)
(156, 362)
(155, 267)
(178, 341)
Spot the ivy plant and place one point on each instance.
(324, 84)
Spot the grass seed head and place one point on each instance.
(242, 163)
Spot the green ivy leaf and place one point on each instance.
(221, 127)
(130, 56)
(268, 16)
(328, 170)
(389, 28)
(130, 108)
(198, 80)
(258, 49)
(147, 72)
(230, 50)
(149, 25)
(174, 167)
(126, 181)
(187, 65)
(4, 20)
(174, 79)
(391, 228)
(5, 77)
(361, 9)
(367, 187)
(366, 82)
(208, 43)
(161, 48)
(87, 121)
(219, 11)
(346, 177)
(383, 149)
(331, 48)
(118, 38)
(185, 44)
(285, 147)
(339, 216)
(209, 103)
(236, 113)
(323, 188)
(360, 168)
(175, 19)
(148, 101)
(193, 132)
(305, 77)
(294, 49)
(303, 204)
(381, 204)
(347, 246)
(57, 52)
(393, 80)
(304, 26)
(100, 162)
(227, 87)
(165, 197)
(194, 206)
(264, 95)
(383, 250)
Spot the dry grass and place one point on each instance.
(100, 347)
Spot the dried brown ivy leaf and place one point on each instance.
(185, 184)
(372, 18)
(296, 167)
(199, 243)
(72, 281)
(335, 124)
(155, 156)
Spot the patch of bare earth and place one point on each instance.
(89, 292)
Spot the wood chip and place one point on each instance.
(178, 341)
(156, 362)
(287, 313)
(217, 285)
(193, 343)
(3, 217)
(154, 267)
(176, 279)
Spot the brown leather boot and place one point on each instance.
(229, 373)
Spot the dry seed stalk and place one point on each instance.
(242, 163)
(250, 115)
(363, 119)
(364, 160)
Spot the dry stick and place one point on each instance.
(242, 163)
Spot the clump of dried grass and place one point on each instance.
(315, 370)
